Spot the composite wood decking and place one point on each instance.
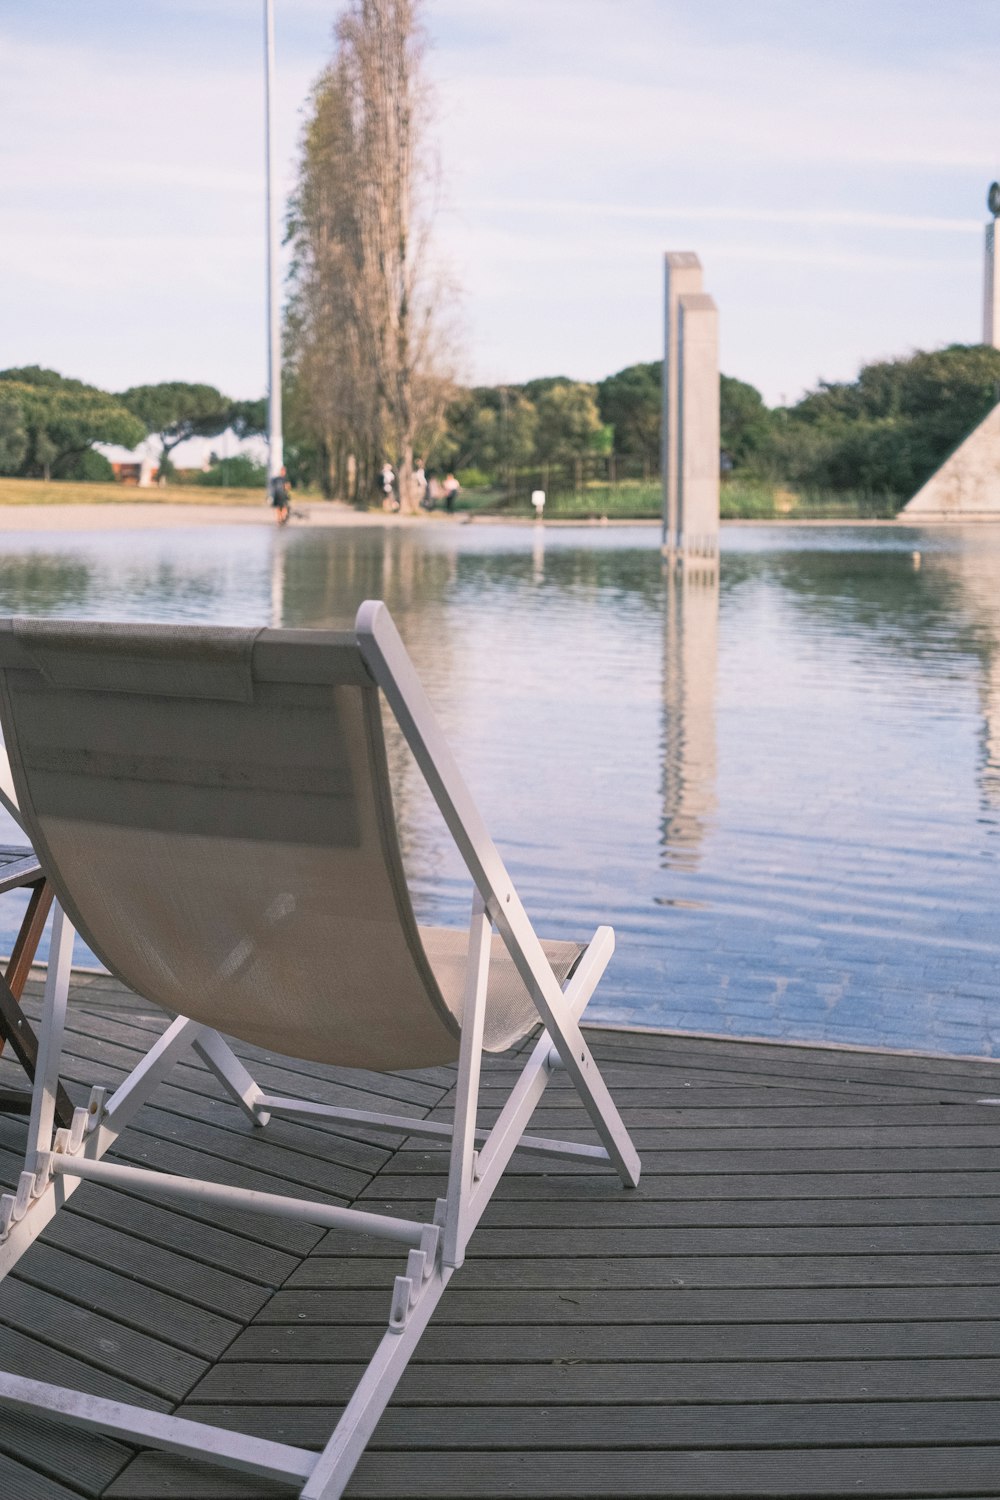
(801, 1299)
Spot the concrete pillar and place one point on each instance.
(682, 274)
(991, 290)
(698, 426)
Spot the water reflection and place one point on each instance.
(538, 554)
(780, 784)
(972, 576)
(688, 757)
(326, 575)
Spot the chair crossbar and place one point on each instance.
(171, 1434)
(306, 1109)
(309, 1109)
(540, 1145)
(272, 1205)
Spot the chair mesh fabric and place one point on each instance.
(510, 1010)
(226, 843)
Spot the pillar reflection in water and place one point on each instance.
(688, 754)
(278, 583)
(980, 573)
(972, 572)
(538, 553)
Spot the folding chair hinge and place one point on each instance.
(85, 1122)
(14, 1206)
(420, 1267)
(402, 1301)
(95, 1107)
(430, 1246)
(70, 1142)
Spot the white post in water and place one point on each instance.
(275, 446)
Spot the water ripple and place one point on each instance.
(781, 787)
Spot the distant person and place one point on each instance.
(451, 488)
(420, 486)
(387, 478)
(434, 490)
(281, 500)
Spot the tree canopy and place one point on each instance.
(175, 411)
(49, 424)
(569, 421)
(367, 377)
(630, 402)
(881, 435)
(13, 432)
(887, 431)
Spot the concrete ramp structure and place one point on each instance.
(967, 483)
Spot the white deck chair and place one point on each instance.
(213, 808)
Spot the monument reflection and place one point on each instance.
(971, 574)
(689, 751)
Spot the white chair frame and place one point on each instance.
(56, 1165)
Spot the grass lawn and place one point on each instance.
(66, 492)
(740, 499)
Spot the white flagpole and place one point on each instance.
(275, 445)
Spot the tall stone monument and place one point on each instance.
(690, 421)
(991, 285)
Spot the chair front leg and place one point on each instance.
(45, 1090)
(461, 1167)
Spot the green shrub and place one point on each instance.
(473, 479)
(750, 500)
(89, 468)
(237, 473)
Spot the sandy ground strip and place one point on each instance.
(161, 515)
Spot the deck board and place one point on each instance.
(801, 1299)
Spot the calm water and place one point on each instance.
(782, 788)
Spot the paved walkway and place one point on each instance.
(800, 1300)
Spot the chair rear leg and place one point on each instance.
(374, 1390)
(238, 1083)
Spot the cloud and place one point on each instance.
(712, 213)
(827, 162)
(97, 262)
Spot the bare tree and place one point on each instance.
(364, 293)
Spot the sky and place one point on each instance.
(828, 163)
